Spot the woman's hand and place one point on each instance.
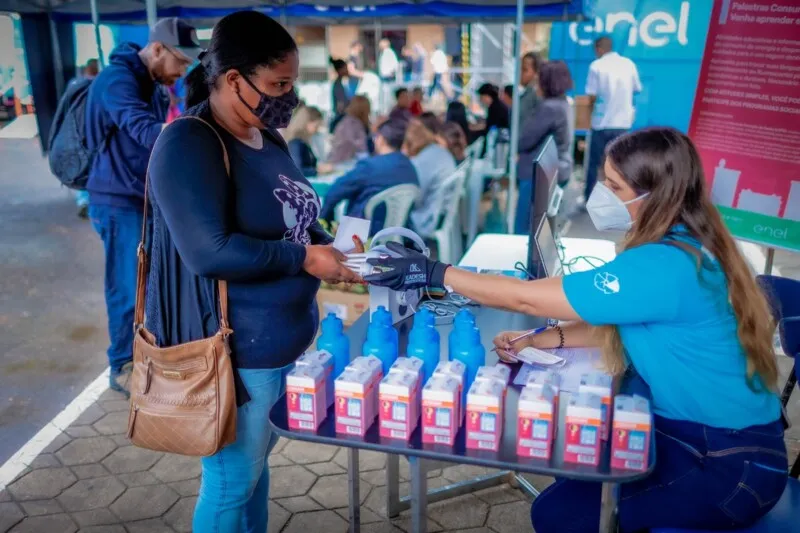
(506, 349)
(325, 263)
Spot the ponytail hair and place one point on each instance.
(242, 41)
(197, 90)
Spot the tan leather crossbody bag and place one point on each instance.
(182, 397)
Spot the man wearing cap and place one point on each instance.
(125, 111)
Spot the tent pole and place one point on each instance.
(511, 207)
(96, 22)
(58, 65)
(152, 12)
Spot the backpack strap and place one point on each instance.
(142, 268)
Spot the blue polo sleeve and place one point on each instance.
(641, 285)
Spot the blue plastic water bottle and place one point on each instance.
(465, 340)
(384, 317)
(381, 340)
(336, 342)
(424, 342)
(463, 321)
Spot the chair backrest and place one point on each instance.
(784, 299)
(398, 201)
(453, 190)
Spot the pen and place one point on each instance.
(526, 334)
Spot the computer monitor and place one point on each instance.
(543, 259)
(545, 176)
(545, 179)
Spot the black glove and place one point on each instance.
(411, 270)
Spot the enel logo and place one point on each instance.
(654, 30)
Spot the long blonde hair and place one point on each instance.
(298, 127)
(664, 163)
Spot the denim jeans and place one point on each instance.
(597, 151)
(234, 490)
(120, 229)
(705, 478)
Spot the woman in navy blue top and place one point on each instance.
(257, 229)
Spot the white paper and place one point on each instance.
(348, 227)
(577, 361)
(534, 356)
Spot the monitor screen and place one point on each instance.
(545, 176)
(544, 260)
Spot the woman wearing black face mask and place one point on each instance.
(255, 228)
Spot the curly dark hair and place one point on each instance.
(555, 79)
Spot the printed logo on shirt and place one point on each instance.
(606, 283)
(414, 268)
(300, 209)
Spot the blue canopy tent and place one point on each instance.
(54, 15)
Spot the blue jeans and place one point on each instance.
(597, 155)
(120, 229)
(234, 491)
(705, 478)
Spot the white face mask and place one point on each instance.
(607, 211)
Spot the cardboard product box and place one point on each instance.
(537, 419)
(440, 398)
(458, 371)
(583, 113)
(411, 365)
(356, 399)
(368, 363)
(348, 306)
(324, 359)
(498, 372)
(600, 384)
(485, 403)
(630, 444)
(399, 404)
(305, 394)
(548, 377)
(582, 441)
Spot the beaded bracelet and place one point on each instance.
(560, 337)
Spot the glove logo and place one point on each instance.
(414, 268)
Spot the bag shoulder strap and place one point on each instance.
(143, 261)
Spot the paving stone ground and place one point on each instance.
(91, 480)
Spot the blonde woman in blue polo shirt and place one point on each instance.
(679, 304)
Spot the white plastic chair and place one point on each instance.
(448, 236)
(398, 201)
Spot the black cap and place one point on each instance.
(176, 34)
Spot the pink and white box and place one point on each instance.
(582, 422)
(485, 403)
(440, 398)
(537, 419)
(547, 377)
(324, 359)
(414, 366)
(501, 373)
(305, 395)
(601, 385)
(369, 363)
(398, 399)
(630, 436)
(458, 371)
(356, 399)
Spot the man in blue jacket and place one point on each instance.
(125, 112)
(389, 167)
